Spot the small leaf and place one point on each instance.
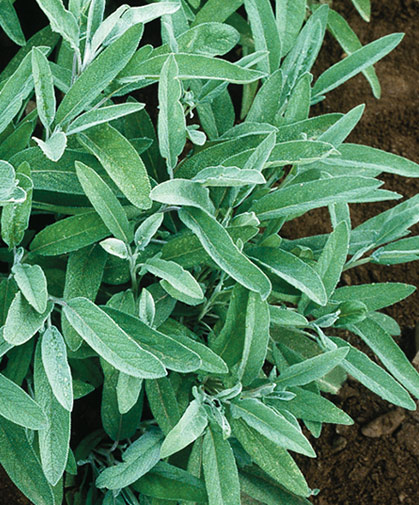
(128, 390)
(398, 252)
(54, 147)
(32, 282)
(190, 426)
(183, 192)
(147, 307)
(116, 247)
(57, 369)
(147, 229)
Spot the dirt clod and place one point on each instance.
(385, 424)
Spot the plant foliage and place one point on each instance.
(147, 296)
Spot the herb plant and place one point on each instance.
(145, 279)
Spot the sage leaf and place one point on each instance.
(19, 459)
(190, 426)
(54, 147)
(9, 21)
(110, 341)
(57, 369)
(54, 439)
(220, 247)
(44, 87)
(138, 459)
(121, 162)
(172, 137)
(23, 321)
(18, 407)
(62, 21)
(183, 192)
(105, 202)
(271, 425)
(163, 403)
(220, 470)
(147, 229)
(229, 177)
(32, 282)
(397, 252)
(128, 390)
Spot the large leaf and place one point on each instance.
(216, 10)
(18, 407)
(19, 459)
(121, 162)
(105, 202)
(32, 282)
(9, 21)
(98, 75)
(69, 234)
(62, 21)
(220, 247)
(293, 270)
(190, 426)
(110, 341)
(54, 439)
(138, 459)
(271, 425)
(220, 470)
(44, 88)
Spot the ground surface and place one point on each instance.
(354, 468)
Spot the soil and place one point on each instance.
(375, 461)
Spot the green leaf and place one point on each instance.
(282, 316)
(44, 88)
(9, 21)
(228, 177)
(274, 460)
(375, 296)
(167, 482)
(312, 406)
(171, 120)
(57, 369)
(54, 147)
(216, 10)
(256, 339)
(220, 247)
(105, 202)
(18, 458)
(210, 39)
(178, 278)
(290, 15)
(393, 358)
(220, 470)
(293, 270)
(84, 273)
(338, 132)
(23, 321)
(54, 440)
(169, 351)
(373, 377)
(364, 8)
(190, 426)
(138, 459)
(62, 21)
(69, 234)
(32, 282)
(265, 33)
(121, 162)
(190, 66)
(355, 156)
(15, 216)
(349, 41)
(295, 199)
(271, 425)
(163, 403)
(298, 106)
(110, 341)
(183, 192)
(18, 407)
(398, 252)
(98, 75)
(355, 63)
(128, 390)
(95, 117)
(147, 229)
(311, 369)
(211, 362)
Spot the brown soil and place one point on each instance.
(352, 468)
